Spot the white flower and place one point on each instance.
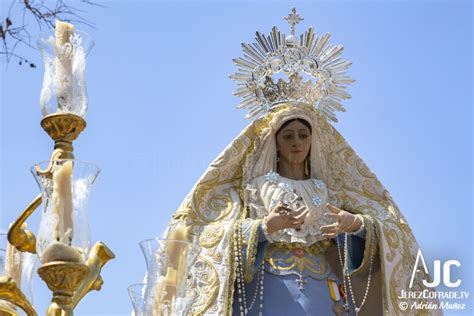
(288, 187)
(271, 176)
(318, 183)
(317, 200)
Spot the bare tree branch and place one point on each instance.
(15, 30)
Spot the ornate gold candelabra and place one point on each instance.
(69, 273)
(69, 281)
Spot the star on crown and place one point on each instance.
(275, 56)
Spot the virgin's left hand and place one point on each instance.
(345, 222)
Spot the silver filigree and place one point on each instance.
(294, 58)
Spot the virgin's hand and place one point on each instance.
(282, 217)
(345, 222)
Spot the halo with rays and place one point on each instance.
(277, 56)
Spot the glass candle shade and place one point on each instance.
(64, 233)
(168, 266)
(18, 265)
(64, 88)
(137, 296)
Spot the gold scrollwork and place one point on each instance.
(393, 240)
(234, 151)
(211, 235)
(215, 255)
(205, 282)
(205, 198)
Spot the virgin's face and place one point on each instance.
(294, 142)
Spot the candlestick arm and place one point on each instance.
(10, 292)
(20, 237)
(98, 257)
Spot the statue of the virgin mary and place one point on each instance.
(290, 219)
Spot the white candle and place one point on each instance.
(176, 253)
(62, 201)
(64, 56)
(165, 293)
(158, 293)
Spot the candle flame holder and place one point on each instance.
(63, 128)
(62, 279)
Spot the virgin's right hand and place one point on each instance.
(282, 217)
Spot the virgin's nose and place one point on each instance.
(297, 144)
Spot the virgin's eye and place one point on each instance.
(287, 137)
(303, 136)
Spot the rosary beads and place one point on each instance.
(242, 297)
(346, 274)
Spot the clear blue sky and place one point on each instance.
(161, 110)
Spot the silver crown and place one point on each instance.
(277, 54)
